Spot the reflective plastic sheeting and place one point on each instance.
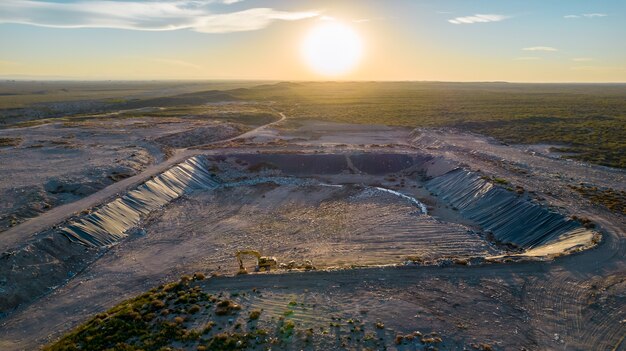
(111, 222)
(510, 218)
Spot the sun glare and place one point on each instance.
(332, 48)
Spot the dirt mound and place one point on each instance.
(510, 218)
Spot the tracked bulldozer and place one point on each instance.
(263, 262)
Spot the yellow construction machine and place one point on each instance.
(262, 262)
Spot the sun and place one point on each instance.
(332, 48)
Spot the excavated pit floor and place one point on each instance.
(329, 209)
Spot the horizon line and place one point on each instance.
(71, 79)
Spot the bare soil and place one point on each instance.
(60, 162)
(574, 302)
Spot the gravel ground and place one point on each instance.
(576, 302)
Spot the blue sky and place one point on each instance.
(460, 40)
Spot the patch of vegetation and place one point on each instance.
(20, 94)
(232, 341)
(226, 307)
(158, 321)
(500, 181)
(586, 222)
(588, 120)
(286, 328)
(595, 138)
(255, 314)
(614, 200)
(4, 142)
(146, 322)
(199, 276)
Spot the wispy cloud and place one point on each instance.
(159, 15)
(587, 15)
(247, 20)
(478, 18)
(593, 15)
(540, 48)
